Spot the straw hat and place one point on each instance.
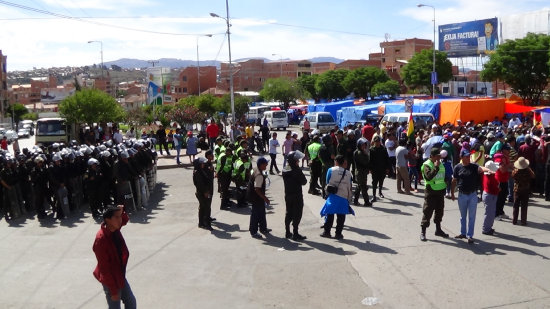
(521, 163)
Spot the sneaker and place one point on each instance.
(368, 204)
(490, 232)
(470, 240)
(326, 235)
(504, 216)
(288, 235)
(271, 173)
(256, 235)
(461, 236)
(339, 236)
(440, 233)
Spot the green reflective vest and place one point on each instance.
(438, 182)
(226, 166)
(240, 168)
(313, 150)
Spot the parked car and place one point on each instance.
(322, 121)
(276, 119)
(11, 135)
(23, 133)
(30, 128)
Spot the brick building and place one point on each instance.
(394, 52)
(187, 82)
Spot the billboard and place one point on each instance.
(157, 78)
(469, 39)
(55, 95)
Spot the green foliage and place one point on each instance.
(417, 73)
(389, 87)
(30, 116)
(360, 81)
(89, 106)
(17, 110)
(279, 89)
(329, 84)
(306, 86)
(139, 116)
(524, 64)
(241, 104)
(205, 103)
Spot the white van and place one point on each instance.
(420, 119)
(276, 119)
(255, 113)
(322, 121)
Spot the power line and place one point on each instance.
(90, 21)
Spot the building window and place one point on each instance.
(184, 90)
(460, 90)
(383, 60)
(184, 78)
(397, 51)
(445, 89)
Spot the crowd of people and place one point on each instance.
(494, 162)
(57, 180)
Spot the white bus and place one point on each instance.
(255, 112)
(53, 130)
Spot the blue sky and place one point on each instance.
(299, 29)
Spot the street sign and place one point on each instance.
(409, 102)
(434, 78)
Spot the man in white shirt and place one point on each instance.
(117, 137)
(273, 144)
(390, 147)
(131, 133)
(401, 155)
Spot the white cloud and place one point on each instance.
(105, 5)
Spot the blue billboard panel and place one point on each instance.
(469, 38)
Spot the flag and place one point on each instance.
(410, 126)
(537, 118)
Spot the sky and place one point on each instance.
(55, 33)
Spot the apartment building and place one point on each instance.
(192, 81)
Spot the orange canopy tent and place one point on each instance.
(477, 110)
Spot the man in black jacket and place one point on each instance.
(294, 179)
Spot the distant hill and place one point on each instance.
(173, 63)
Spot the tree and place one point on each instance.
(524, 64)
(389, 87)
(329, 84)
(279, 89)
(360, 81)
(241, 105)
(205, 103)
(91, 106)
(139, 116)
(17, 110)
(185, 114)
(417, 73)
(306, 86)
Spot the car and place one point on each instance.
(23, 132)
(30, 128)
(322, 121)
(11, 135)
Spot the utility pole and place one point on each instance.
(152, 62)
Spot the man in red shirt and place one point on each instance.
(212, 131)
(4, 143)
(367, 132)
(112, 257)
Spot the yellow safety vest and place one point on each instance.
(313, 150)
(438, 182)
(228, 163)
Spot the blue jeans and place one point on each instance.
(490, 203)
(126, 295)
(413, 172)
(178, 150)
(467, 203)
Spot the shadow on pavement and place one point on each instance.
(402, 203)
(223, 230)
(523, 240)
(328, 248)
(393, 211)
(364, 232)
(279, 242)
(482, 247)
(368, 246)
(158, 195)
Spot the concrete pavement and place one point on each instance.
(174, 264)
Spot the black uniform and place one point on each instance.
(203, 179)
(293, 179)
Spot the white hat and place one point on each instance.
(434, 126)
(443, 153)
(521, 163)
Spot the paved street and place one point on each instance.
(174, 264)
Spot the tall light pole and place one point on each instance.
(232, 95)
(281, 60)
(101, 44)
(434, 73)
(198, 63)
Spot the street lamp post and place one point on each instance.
(434, 73)
(198, 63)
(281, 60)
(231, 93)
(101, 45)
